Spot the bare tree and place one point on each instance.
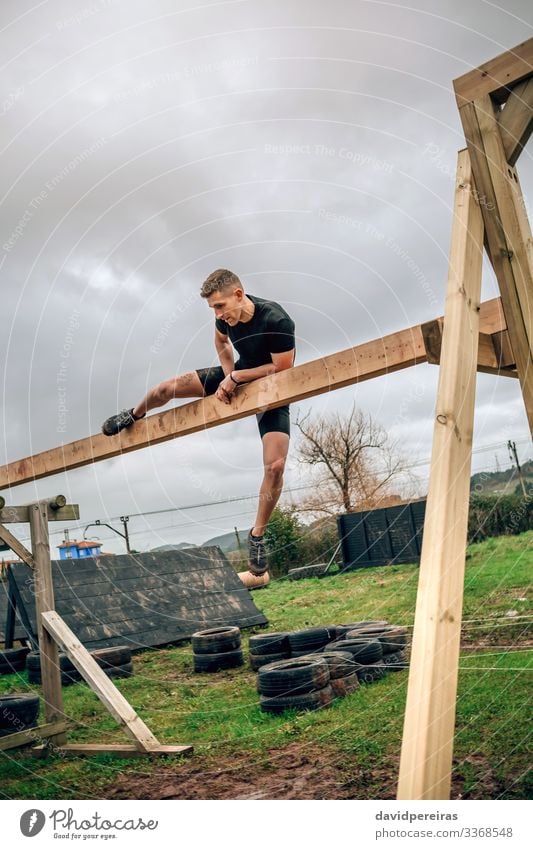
(358, 464)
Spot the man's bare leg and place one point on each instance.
(275, 450)
(186, 385)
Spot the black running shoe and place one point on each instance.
(257, 560)
(114, 424)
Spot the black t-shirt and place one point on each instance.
(269, 331)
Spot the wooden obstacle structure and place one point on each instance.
(54, 634)
(495, 105)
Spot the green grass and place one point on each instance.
(360, 735)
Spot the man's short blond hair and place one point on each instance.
(218, 281)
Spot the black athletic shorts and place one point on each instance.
(272, 420)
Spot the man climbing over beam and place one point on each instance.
(262, 332)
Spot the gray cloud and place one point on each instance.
(310, 148)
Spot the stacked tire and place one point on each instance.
(366, 654)
(296, 683)
(18, 712)
(216, 649)
(342, 672)
(116, 663)
(13, 660)
(310, 640)
(393, 639)
(268, 648)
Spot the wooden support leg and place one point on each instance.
(99, 682)
(427, 745)
(44, 600)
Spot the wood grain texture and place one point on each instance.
(427, 743)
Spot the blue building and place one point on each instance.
(74, 549)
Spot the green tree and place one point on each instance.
(283, 540)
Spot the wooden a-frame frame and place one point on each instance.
(497, 337)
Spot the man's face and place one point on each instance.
(227, 305)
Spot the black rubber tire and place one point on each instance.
(13, 660)
(340, 663)
(216, 640)
(306, 572)
(369, 674)
(71, 676)
(332, 631)
(222, 660)
(315, 700)
(69, 673)
(114, 656)
(125, 670)
(18, 711)
(342, 630)
(292, 677)
(344, 686)
(308, 640)
(276, 642)
(396, 661)
(394, 640)
(259, 660)
(363, 651)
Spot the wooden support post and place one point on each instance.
(516, 120)
(102, 686)
(44, 600)
(508, 234)
(427, 745)
(16, 546)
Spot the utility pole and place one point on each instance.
(125, 520)
(512, 453)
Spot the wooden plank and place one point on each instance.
(353, 365)
(371, 359)
(16, 546)
(427, 744)
(10, 515)
(44, 600)
(508, 234)
(497, 76)
(516, 120)
(120, 750)
(29, 735)
(102, 686)
(494, 351)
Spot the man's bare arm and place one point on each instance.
(280, 362)
(224, 351)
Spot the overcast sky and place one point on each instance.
(309, 147)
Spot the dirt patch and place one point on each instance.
(294, 772)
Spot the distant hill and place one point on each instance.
(228, 542)
(502, 483)
(173, 547)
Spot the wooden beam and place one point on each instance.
(494, 350)
(102, 686)
(496, 76)
(427, 744)
(44, 600)
(12, 515)
(120, 750)
(516, 120)
(508, 234)
(354, 365)
(29, 735)
(371, 359)
(16, 546)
